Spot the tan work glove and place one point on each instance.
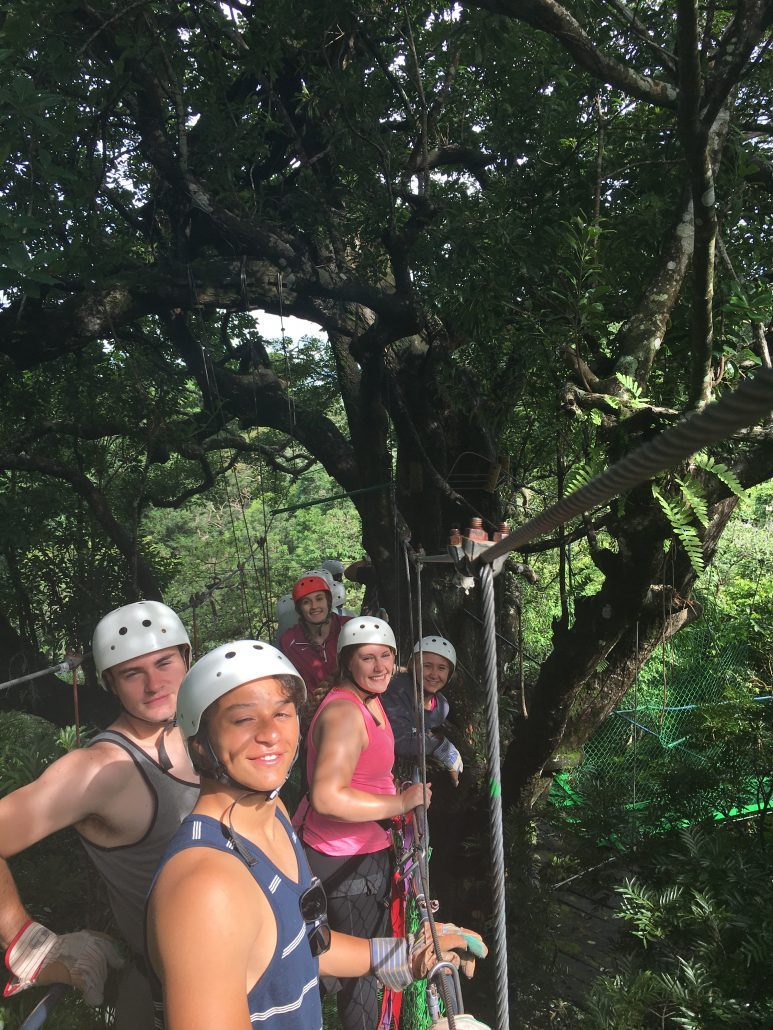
(457, 945)
(38, 955)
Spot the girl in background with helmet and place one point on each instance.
(311, 645)
(350, 754)
(434, 662)
(237, 930)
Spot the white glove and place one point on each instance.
(85, 956)
(449, 757)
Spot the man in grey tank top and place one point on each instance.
(126, 795)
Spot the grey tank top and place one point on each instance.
(128, 869)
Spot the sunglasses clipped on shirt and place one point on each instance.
(313, 904)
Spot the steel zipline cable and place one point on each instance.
(751, 402)
(495, 797)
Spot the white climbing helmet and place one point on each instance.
(334, 566)
(286, 614)
(324, 573)
(439, 646)
(366, 629)
(339, 594)
(134, 630)
(224, 669)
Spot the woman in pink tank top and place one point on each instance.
(349, 759)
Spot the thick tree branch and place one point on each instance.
(630, 20)
(641, 337)
(32, 333)
(100, 507)
(695, 142)
(552, 18)
(261, 399)
(744, 33)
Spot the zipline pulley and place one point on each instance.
(466, 548)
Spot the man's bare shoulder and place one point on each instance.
(80, 785)
(82, 766)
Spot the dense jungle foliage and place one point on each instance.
(533, 236)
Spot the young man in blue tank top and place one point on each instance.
(236, 925)
(126, 795)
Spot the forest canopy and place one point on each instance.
(531, 237)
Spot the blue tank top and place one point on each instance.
(287, 995)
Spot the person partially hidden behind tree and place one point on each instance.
(237, 927)
(363, 572)
(438, 662)
(125, 794)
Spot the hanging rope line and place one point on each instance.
(269, 590)
(421, 811)
(290, 401)
(217, 400)
(333, 497)
(68, 665)
(495, 797)
(76, 707)
(751, 402)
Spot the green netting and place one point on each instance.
(643, 767)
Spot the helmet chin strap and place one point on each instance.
(369, 694)
(220, 774)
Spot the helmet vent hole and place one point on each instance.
(123, 631)
(230, 654)
(146, 622)
(219, 674)
(258, 647)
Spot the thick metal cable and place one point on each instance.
(751, 402)
(68, 665)
(495, 797)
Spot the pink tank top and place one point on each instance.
(373, 774)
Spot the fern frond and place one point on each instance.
(581, 475)
(629, 384)
(693, 497)
(722, 472)
(679, 516)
